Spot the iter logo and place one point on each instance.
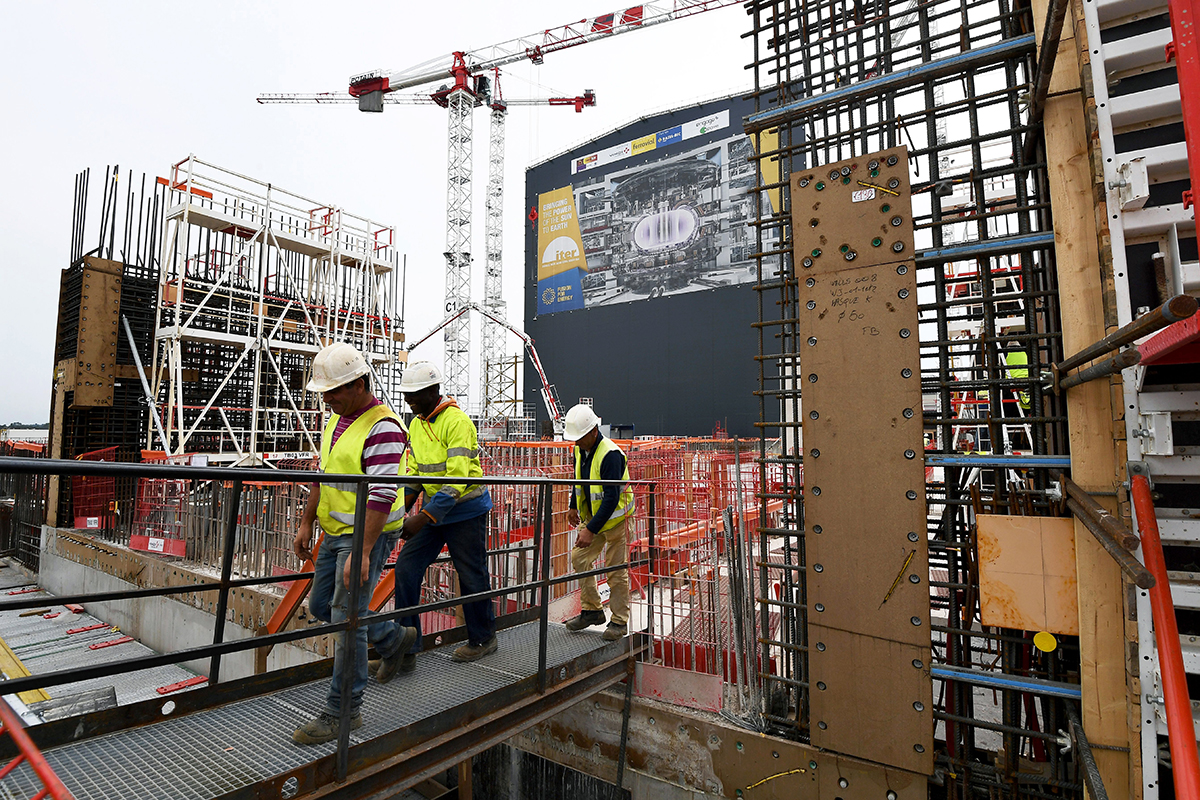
(563, 248)
(548, 296)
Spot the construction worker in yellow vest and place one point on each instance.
(363, 437)
(1017, 363)
(601, 514)
(443, 444)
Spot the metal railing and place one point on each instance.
(536, 592)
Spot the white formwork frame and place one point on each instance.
(338, 282)
(1122, 57)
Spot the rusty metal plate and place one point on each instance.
(871, 698)
(861, 217)
(96, 343)
(863, 469)
(1027, 575)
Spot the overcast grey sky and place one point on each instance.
(142, 85)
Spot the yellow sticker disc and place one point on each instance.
(1044, 641)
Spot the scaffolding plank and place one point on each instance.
(864, 481)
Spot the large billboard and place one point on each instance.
(640, 273)
(662, 213)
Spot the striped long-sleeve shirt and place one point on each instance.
(381, 454)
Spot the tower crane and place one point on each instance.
(468, 69)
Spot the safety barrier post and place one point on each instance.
(545, 499)
(1181, 733)
(231, 520)
(651, 510)
(350, 635)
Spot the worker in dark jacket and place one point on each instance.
(601, 513)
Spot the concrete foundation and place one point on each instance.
(165, 624)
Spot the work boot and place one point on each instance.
(613, 632)
(323, 729)
(396, 662)
(474, 652)
(586, 620)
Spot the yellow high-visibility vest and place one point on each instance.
(588, 498)
(446, 447)
(336, 510)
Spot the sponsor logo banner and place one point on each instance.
(652, 141)
(669, 136)
(644, 144)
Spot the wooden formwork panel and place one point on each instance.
(866, 548)
(96, 344)
(876, 701)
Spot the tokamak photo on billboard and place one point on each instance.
(662, 214)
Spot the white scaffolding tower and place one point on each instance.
(254, 281)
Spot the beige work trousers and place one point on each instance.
(616, 551)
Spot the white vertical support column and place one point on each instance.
(492, 366)
(457, 335)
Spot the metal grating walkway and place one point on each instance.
(211, 752)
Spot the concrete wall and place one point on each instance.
(162, 623)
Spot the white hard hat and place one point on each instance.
(420, 375)
(579, 421)
(336, 365)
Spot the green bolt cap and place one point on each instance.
(844, 248)
(845, 180)
(876, 242)
(885, 208)
(820, 185)
(816, 252)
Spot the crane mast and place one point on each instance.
(492, 353)
(460, 102)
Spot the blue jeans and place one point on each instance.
(329, 601)
(467, 540)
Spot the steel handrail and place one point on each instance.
(52, 786)
(347, 629)
(1181, 733)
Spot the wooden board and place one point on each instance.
(859, 219)
(864, 500)
(1111, 696)
(864, 481)
(96, 345)
(1027, 573)
(877, 700)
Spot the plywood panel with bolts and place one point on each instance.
(871, 698)
(866, 549)
(862, 217)
(864, 476)
(96, 345)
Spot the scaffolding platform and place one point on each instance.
(416, 725)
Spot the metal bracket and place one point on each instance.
(1054, 491)
(1154, 429)
(1140, 468)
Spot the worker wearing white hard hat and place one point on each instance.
(601, 514)
(444, 444)
(362, 437)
